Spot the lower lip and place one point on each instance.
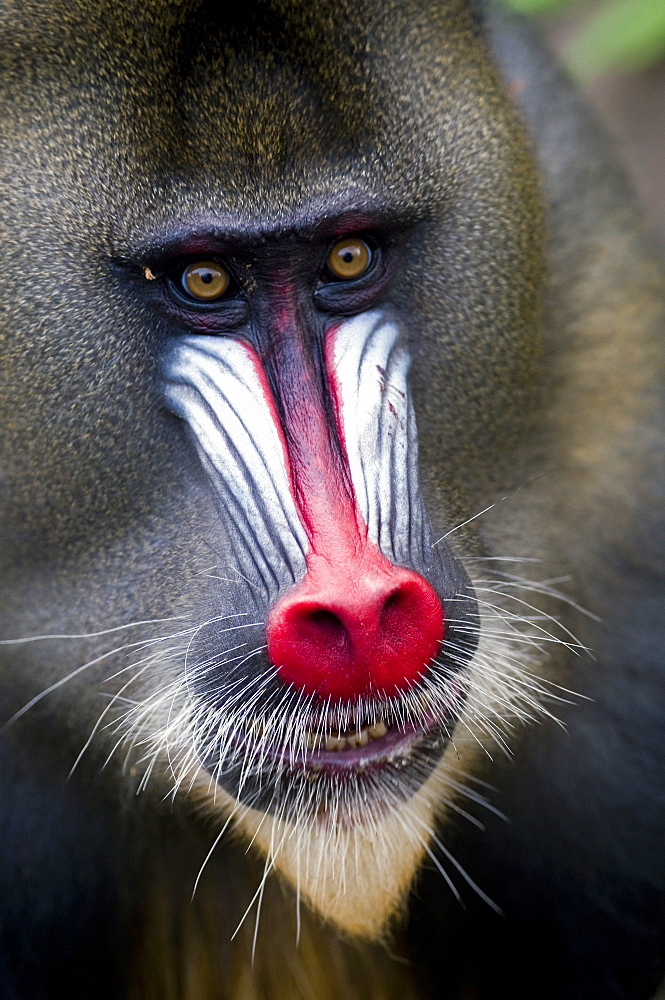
(394, 749)
(388, 749)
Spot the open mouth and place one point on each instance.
(271, 761)
(374, 745)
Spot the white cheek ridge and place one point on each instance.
(212, 383)
(379, 426)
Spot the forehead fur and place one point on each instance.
(261, 113)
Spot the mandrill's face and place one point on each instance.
(248, 310)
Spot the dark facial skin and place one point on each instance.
(140, 140)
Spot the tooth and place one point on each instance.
(378, 730)
(335, 743)
(360, 739)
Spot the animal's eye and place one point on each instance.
(205, 280)
(349, 258)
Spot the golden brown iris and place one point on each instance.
(205, 280)
(349, 258)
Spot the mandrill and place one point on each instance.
(332, 512)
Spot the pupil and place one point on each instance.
(206, 278)
(347, 256)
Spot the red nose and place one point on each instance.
(342, 633)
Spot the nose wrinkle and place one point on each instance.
(356, 623)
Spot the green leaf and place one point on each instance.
(624, 34)
(536, 6)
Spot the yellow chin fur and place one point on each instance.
(356, 877)
(356, 873)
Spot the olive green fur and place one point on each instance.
(536, 308)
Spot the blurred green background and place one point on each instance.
(616, 50)
(611, 35)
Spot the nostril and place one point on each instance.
(397, 605)
(406, 613)
(344, 635)
(323, 626)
